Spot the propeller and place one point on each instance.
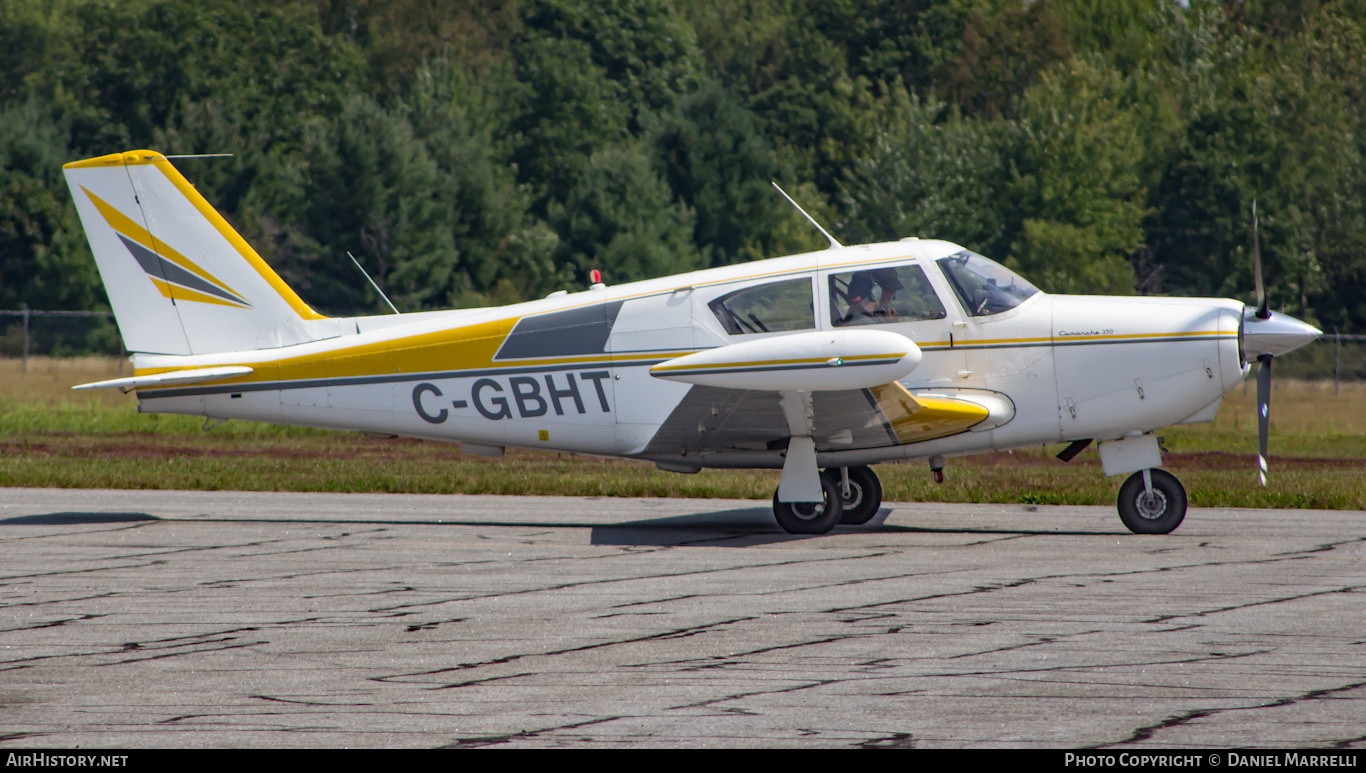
(1262, 311)
(1263, 337)
(1263, 412)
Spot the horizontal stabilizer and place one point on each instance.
(191, 376)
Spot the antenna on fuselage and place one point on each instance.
(371, 281)
(833, 244)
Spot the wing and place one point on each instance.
(713, 422)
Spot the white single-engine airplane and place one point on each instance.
(836, 359)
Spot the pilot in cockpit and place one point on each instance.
(870, 295)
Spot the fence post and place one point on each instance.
(1337, 358)
(24, 306)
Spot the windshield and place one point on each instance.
(984, 286)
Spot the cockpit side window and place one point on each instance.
(768, 308)
(984, 286)
(882, 295)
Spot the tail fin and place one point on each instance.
(180, 279)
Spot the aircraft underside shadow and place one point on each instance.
(76, 519)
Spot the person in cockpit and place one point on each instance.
(870, 295)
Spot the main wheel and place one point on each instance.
(1159, 513)
(865, 494)
(811, 517)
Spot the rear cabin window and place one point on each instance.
(767, 308)
(883, 295)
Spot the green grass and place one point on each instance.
(50, 437)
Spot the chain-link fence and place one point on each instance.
(36, 332)
(32, 332)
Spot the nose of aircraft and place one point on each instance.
(1275, 335)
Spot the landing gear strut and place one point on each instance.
(1156, 505)
(856, 504)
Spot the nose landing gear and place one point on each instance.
(1152, 502)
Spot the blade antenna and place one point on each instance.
(833, 244)
(372, 282)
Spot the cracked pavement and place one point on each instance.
(143, 619)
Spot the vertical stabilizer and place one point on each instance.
(180, 279)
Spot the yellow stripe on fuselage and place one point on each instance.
(462, 348)
(1115, 337)
(773, 363)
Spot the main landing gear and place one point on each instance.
(1152, 502)
(852, 495)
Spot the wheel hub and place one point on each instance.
(1151, 505)
(855, 497)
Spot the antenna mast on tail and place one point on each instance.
(371, 281)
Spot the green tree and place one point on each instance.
(137, 62)
(620, 217)
(932, 174)
(1280, 127)
(1075, 184)
(45, 262)
(895, 41)
(569, 109)
(719, 164)
(457, 114)
(644, 47)
(1003, 54)
(590, 72)
(376, 192)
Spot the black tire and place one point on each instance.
(865, 495)
(811, 517)
(1159, 515)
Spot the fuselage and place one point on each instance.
(571, 372)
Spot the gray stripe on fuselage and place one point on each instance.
(562, 333)
(389, 378)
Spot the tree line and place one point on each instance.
(473, 152)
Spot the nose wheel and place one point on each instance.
(1155, 506)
